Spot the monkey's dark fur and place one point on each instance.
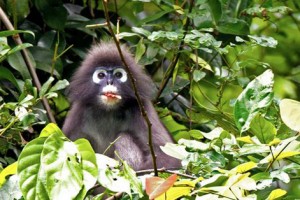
(102, 124)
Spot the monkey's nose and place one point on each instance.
(110, 82)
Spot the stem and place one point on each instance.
(29, 65)
(133, 83)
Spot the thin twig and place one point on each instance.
(164, 170)
(29, 65)
(133, 83)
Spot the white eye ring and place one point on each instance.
(123, 76)
(97, 75)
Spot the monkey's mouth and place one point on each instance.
(112, 96)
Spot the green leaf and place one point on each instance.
(55, 17)
(17, 62)
(8, 75)
(141, 31)
(59, 85)
(264, 41)
(200, 61)
(264, 130)
(61, 163)
(156, 16)
(140, 50)
(156, 35)
(233, 26)
(130, 175)
(290, 113)
(257, 96)
(110, 176)
(195, 145)
(126, 34)
(50, 129)
(286, 148)
(14, 32)
(89, 164)
(175, 150)
(45, 87)
(19, 47)
(215, 9)
(29, 170)
(19, 10)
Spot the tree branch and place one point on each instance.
(30, 67)
(133, 83)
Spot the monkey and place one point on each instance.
(105, 110)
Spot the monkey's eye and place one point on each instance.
(120, 74)
(99, 75)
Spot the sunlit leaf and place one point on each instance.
(10, 190)
(50, 129)
(242, 168)
(264, 41)
(61, 163)
(257, 96)
(246, 139)
(200, 61)
(175, 150)
(287, 148)
(275, 194)
(290, 113)
(109, 176)
(174, 193)
(9, 170)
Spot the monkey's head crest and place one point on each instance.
(103, 80)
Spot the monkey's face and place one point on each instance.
(111, 82)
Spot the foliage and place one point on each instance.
(227, 73)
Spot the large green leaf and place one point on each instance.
(233, 26)
(61, 162)
(53, 12)
(52, 167)
(215, 9)
(257, 96)
(29, 170)
(17, 62)
(264, 130)
(19, 9)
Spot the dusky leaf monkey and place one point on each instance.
(104, 108)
